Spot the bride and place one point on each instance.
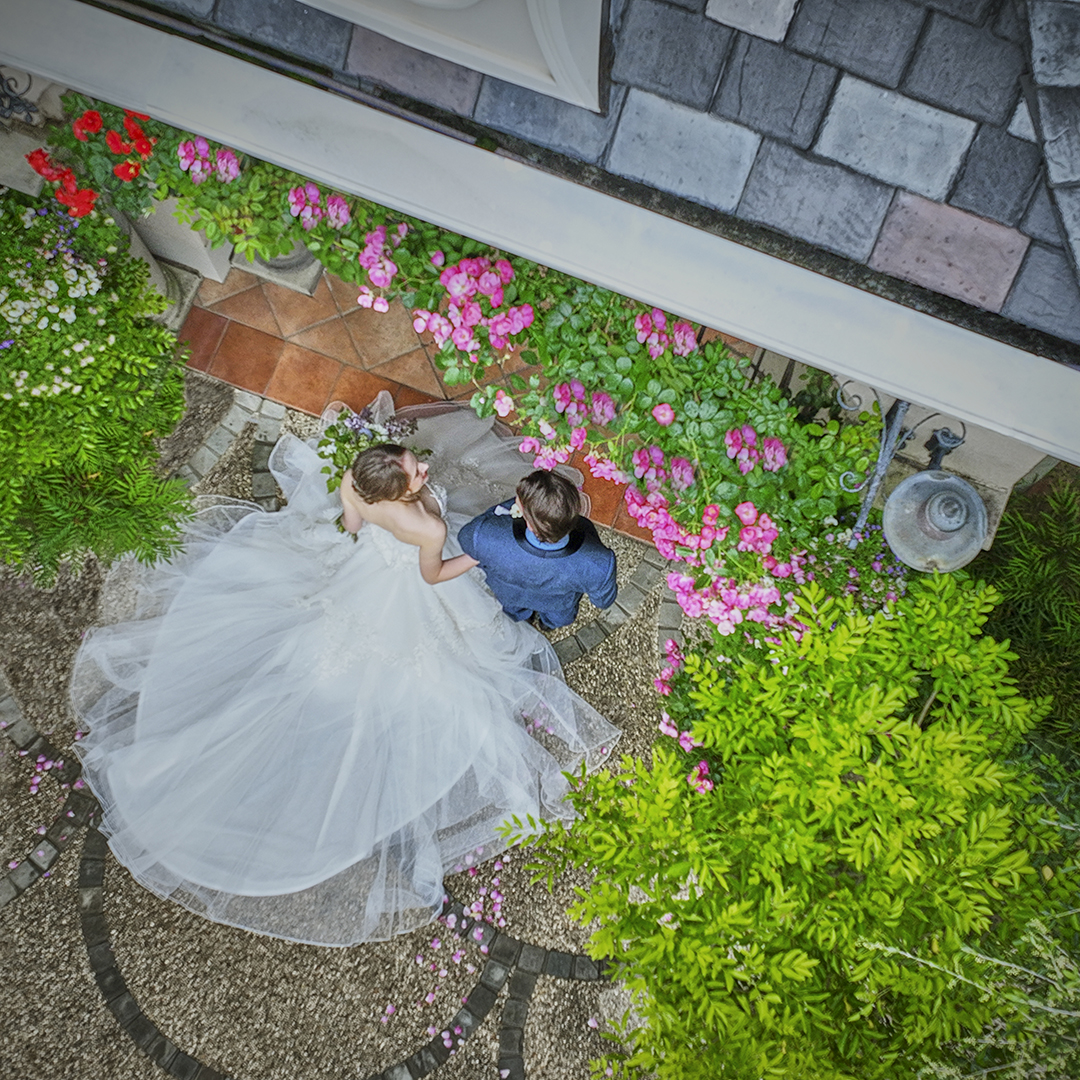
(298, 731)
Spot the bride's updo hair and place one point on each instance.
(379, 476)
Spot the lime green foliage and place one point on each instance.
(87, 383)
(1035, 565)
(810, 916)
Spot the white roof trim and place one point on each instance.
(706, 278)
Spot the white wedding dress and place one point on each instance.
(291, 732)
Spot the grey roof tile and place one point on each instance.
(893, 138)
(872, 38)
(1067, 200)
(1059, 118)
(1040, 221)
(199, 8)
(1055, 43)
(769, 21)
(547, 121)
(1011, 21)
(290, 27)
(966, 70)
(1020, 125)
(949, 251)
(670, 52)
(774, 90)
(971, 11)
(1045, 294)
(688, 153)
(410, 71)
(998, 176)
(822, 203)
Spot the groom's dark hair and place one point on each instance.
(551, 504)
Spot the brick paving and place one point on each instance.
(304, 352)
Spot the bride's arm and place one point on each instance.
(433, 567)
(350, 517)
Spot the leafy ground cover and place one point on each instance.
(87, 383)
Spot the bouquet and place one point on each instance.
(353, 432)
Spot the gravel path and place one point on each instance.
(210, 1001)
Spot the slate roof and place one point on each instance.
(887, 143)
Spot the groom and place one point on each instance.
(539, 554)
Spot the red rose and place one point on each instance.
(127, 170)
(43, 165)
(131, 126)
(137, 115)
(144, 147)
(77, 131)
(67, 181)
(79, 203)
(90, 121)
(116, 144)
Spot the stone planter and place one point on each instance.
(298, 269)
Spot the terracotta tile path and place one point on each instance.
(306, 351)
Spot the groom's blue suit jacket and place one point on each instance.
(525, 578)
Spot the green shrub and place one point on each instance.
(814, 873)
(87, 382)
(1035, 565)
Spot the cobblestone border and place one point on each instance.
(652, 568)
(247, 408)
(74, 814)
(118, 999)
(508, 961)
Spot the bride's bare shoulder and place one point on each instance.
(410, 522)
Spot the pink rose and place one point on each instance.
(746, 512)
(664, 414)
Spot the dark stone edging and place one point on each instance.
(509, 961)
(652, 568)
(74, 814)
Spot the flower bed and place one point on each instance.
(87, 383)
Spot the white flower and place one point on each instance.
(76, 389)
(71, 275)
(111, 339)
(54, 308)
(68, 314)
(43, 322)
(66, 370)
(48, 367)
(79, 346)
